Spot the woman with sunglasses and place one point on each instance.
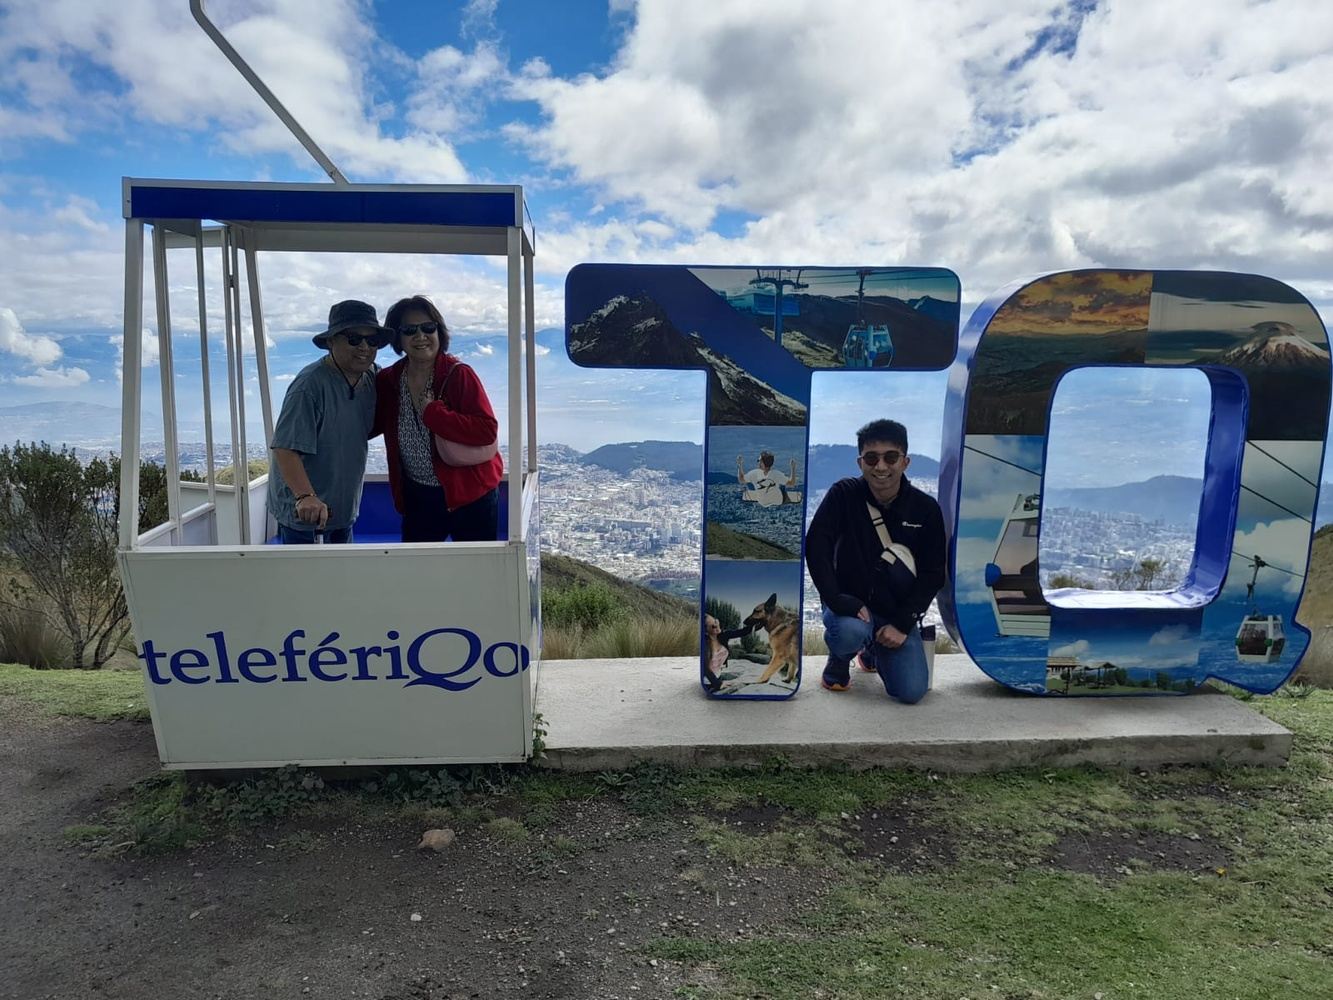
(427, 394)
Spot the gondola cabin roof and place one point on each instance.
(362, 218)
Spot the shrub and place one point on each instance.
(58, 519)
(27, 637)
(562, 643)
(587, 607)
(623, 638)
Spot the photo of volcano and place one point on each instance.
(1259, 328)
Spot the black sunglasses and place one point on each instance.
(428, 327)
(872, 458)
(356, 339)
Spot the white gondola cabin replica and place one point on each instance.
(379, 652)
(1015, 590)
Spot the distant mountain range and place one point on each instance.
(1168, 498)
(1165, 498)
(684, 460)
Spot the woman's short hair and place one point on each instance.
(393, 318)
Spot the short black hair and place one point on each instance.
(395, 315)
(766, 459)
(888, 431)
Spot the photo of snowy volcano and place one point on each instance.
(1267, 333)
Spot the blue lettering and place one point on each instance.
(521, 659)
(290, 653)
(441, 680)
(362, 654)
(179, 664)
(224, 664)
(395, 659)
(256, 657)
(329, 655)
(150, 656)
(420, 666)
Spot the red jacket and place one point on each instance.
(467, 418)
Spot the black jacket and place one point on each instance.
(842, 550)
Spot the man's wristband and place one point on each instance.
(301, 497)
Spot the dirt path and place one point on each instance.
(327, 911)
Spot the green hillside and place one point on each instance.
(563, 572)
(733, 544)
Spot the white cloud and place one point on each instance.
(53, 378)
(313, 54)
(485, 350)
(148, 351)
(995, 138)
(1170, 635)
(453, 87)
(1283, 544)
(1079, 648)
(33, 348)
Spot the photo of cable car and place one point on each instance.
(1260, 638)
(867, 346)
(1015, 590)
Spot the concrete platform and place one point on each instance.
(612, 714)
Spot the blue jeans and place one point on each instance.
(297, 536)
(903, 670)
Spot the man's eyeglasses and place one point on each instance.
(427, 328)
(357, 339)
(872, 458)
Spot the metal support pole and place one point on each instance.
(530, 320)
(260, 88)
(166, 369)
(131, 377)
(232, 342)
(210, 470)
(515, 314)
(240, 462)
(261, 339)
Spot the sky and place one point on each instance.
(997, 138)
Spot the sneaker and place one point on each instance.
(864, 664)
(836, 676)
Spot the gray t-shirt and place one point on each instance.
(326, 422)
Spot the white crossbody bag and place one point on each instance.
(902, 564)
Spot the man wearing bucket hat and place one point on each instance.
(319, 442)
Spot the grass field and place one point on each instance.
(1174, 885)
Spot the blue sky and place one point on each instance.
(1011, 137)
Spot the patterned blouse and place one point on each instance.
(416, 443)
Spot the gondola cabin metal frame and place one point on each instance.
(261, 655)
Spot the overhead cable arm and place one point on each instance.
(252, 78)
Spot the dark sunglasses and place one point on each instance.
(872, 458)
(427, 327)
(357, 339)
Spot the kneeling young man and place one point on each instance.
(876, 579)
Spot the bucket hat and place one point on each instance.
(353, 314)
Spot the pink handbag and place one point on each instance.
(455, 452)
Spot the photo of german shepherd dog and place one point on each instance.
(781, 625)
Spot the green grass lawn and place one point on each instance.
(85, 694)
(994, 908)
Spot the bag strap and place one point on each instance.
(882, 529)
(444, 382)
(886, 540)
